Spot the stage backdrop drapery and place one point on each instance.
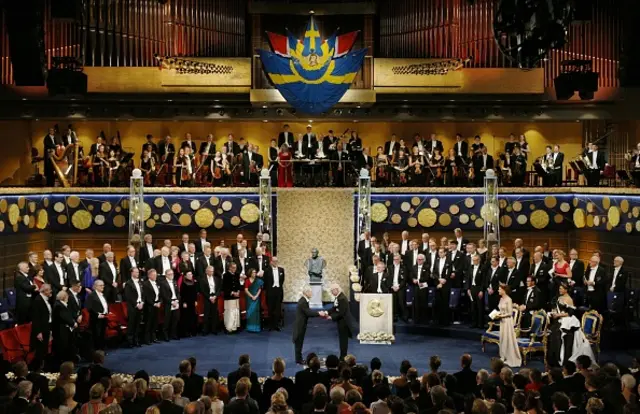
(308, 218)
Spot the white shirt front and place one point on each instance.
(212, 284)
(616, 270)
(509, 275)
(154, 285)
(441, 264)
(173, 289)
(432, 255)
(415, 256)
(594, 160)
(259, 259)
(166, 265)
(76, 270)
(535, 269)
(396, 275)
(459, 247)
(391, 145)
(529, 293)
(133, 261)
(592, 278)
(380, 274)
(276, 277)
(103, 301)
(404, 247)
(474, 273)
(113, 270)
(459, 145)
(150, 249)
(136, 283)
(46, 302)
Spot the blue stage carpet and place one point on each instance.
(221, 352)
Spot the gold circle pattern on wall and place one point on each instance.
(405, 206)
(176, 208)
(58, 207)
(532, 206)
(243, 201)
(146, 211)
(81, 219)
(73, 201)
(15, 228)
(464, 218)
(165, 218)
(1, 226)
(204, 218)
(522, 219)
(43, 219)
(119, 221)
(214, 201)
(226, 206)
(90, 207)
(565, 207)
(624, 205)
(469, 202)
(473, 217)
(614, 216)
(218, 224)
(454, 209)
(579, 218)
(32, 206)
(156, 217)
(539, 219)
(195, 204)
(99, 219)
(184, 219)
(106, 207)
(379, 212)
(505, 221)
(589, 220)
(250, 213)
(609, 227)
(606, 202)
(638, 225)
(479, 222)
(427, 217)
(25, 220)
(550, 201)
(444, 219)
(590, 207)
(502, 203)
(387, 203)
(220, 211)
(434, 203)
(517, 206)
(125, 203)
(396, 219)
(32, 221)
(415, 201)
(14, 214)
(46, 202)
(21, 202)
(628, 227)
(151, 223)
(575, 201)
(596, 221)
(62, 219)
(636, 212)
(3, 205)
(412, 222)
(158, 202)
(558, 218)
(235, 221)
(117, 209)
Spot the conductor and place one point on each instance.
(341, 315)
(303, 313)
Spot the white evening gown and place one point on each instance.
(581, 345)
(509, 351)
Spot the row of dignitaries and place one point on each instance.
(148, 286)
(427, 272)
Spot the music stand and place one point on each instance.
(624, 176)
(539, 170)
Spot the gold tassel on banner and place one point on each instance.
(191, 66)
(432, 68)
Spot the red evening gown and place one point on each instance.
(285, 171)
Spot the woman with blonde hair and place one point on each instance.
(279, 404)
(95, 404)
(276, 381)
(509, 351)
(69, 405)
(178, 389)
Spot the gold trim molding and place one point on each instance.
(364, 96)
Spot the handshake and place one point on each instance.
(324, 314)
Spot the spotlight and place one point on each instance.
(279, 111)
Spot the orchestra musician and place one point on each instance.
(366, 161)
(401, 167)
(253, 163)
(339, 165)
(505, 167)
(188, 143)
(148, 162)
(329, 143)
(460, 148)
(154, 147)
(558, 160)
(310, 142)
(524, 147)
(391, 147)
(510, 144)
(99, 165)
(436, 167)
(519, 167)
(546, 162)
(417, 166)
(273, 163)
(634, 164)
(355, 145)
(231, 146)
(50, 146)
(433, 143)
(166, 152)
(219, 172)
(382, 168)
(285, 167)
(113, 165)
(481, 163)
(476, 147)
(595, 162)
(69, 137)
(453, 172)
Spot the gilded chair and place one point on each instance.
(592, 326)
(492, 334)
(535, 338)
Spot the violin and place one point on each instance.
(418, 168)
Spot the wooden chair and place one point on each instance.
(535, 338)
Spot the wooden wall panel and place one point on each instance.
(15, 248)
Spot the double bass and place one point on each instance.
(238, 164)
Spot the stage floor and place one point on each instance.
(221, 352)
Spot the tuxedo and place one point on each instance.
(480, 165)
(365, 161)
(399, 296)
(533, 302)
(617, 282)
(145, 257)
(161, 265)
(232, 148)
(303, 313)
(461, 148)
(339, 166)
(62, 326)
(391, 148)
(522, 265)
(556, 170)
(125, 268)
(73, 276)
(541, 276)
(191, 144)
(166, 153)
(259, 263)
(493, 279)
(203, 149)
(411, 258)
(364, 252)
(577, 270)
(170, 296)
(458, 266)
(202, 263)
(211, 318)
(41, 317)
(221, 265)
(442, 270)
(475, 282)
(50, 144)
(185, 267)
(75, 305)
(25, 291)
(595, 166)
(597, 294)
(273, 285)
(421, 293)
(56, 277)
(242, 265)
(108, 276)
(340, 314)
(285, 138)
(513, 278)
(97, 307)
(378, 283)
(200, 245)
(133, 296)
(152, 299)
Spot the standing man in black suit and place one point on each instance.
(50, 145)
(232, 147)
(55, 275)
(202, 240)
(98, 312)
(152, 301)
(166, 152)
(210, 287)
(364, 249)
(577, 268)
(134, 298)
(63, 324)
(273, 284)
(260, 262)
(340, 314)
(303, 313)
(539, 270)
(184, 243)
(461, 147)
(310, 142)
(474, 283)
(128, 263)
(595, 281)
(441, 274)
(286, 137)
(73, 268)
(207, 150)
(379, 281)
(204, 261)
(617, 280)
(41, 313)
(222, 262)
(109, 275)
(495, 275)
(25, 289)
(74, 303)
(595, 166)
(522, 264)
(421, 278)
(149, 141)
(145, 254)
(457, 264)
(170, 296)
(514, 280)
(481, 163)
(556, 172)
(532, 302)
(462, 241)
(398, 283)
(188, 143)
(519, 244)
(391, 147)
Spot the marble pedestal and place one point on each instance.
(316, 299)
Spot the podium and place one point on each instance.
(376, 319)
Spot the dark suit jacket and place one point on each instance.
(481, 282)
(342, 316)
(25, 291)
(466, 381)
(464, 148)
(18, 405)
(94, 306)
(601, 280)
(387, 147)
(201, 266)
(204, 287)
(305, 380)
(446, 273)
(372, 284)
(232, 148)
(424, 276)
(230, 283)
(62, 321)
(577, 271)
(559, 161)
(234, 376)
(268, 277)
(125, 269)
(203, 148)
(191, 144)
(253, 263)
(39, 318)
(52, 277)
(106, 275)
(168, 407)
(514, 283)
(165, 291)
(303, 313)
(199, 246)
(144, 258)
(477, 162)
(289, 138)
(75, 306)
(72, 277)
(131, 294)
(240, 407)
(166, 150)
(498, 277)
(541, 276)
(217, 264)
(402, 275)
(621, 280)
(534, 301)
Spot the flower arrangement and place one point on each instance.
(356, 287)
(376, 338)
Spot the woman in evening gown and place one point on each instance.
(285, 167)
(561, 271)
(273, 163)
(509, 352)
(90, 275)
(566, 341)
(253, 288)
(188, 299)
